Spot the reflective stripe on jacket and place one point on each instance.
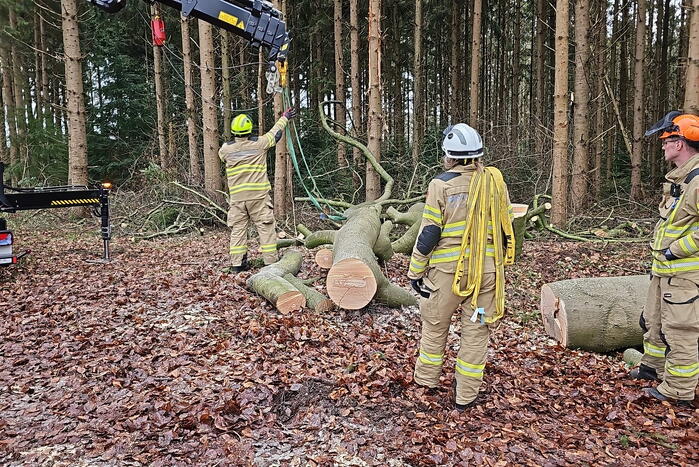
(678, 227)
(438, 243)
(246, 164)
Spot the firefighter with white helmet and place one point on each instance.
(465, 240)
(671, 315)
(248, 188)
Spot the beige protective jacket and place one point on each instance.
(678, 227)
(443, 222)
(246, 163)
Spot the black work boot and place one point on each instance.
(244, 266)
(644, 372)
(463, 407)
(655, 394)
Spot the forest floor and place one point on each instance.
(160, 358)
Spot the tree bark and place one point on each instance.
(375, 123)
(581, 128)
(160, 100)
(260, 93)
(9, 104)
(455, 72)
(356, 91)
(195, 176)
(475, 62)
(212, 164)
(269, 282)
(559, 213)
(339, 80)
(314, 299)
(282, 202)
(691, 94)
(77, 139)
(418, 91)
(638, 105)
(226, 83)
(599, 314)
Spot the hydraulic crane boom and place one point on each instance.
(255, 20)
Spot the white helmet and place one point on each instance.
(462, 142)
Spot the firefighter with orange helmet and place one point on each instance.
(248, 188)
(670, 318)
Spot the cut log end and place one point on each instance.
(324, 258)
(324, 306)
(520, 210)
(553, 314)
(290, 301)
(351, 284)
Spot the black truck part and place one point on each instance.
(68, 196)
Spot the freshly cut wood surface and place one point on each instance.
(351, 284)
(324, 258)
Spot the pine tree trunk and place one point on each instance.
(691, 95)
(638, 120)
(375, 123)
(4, 154)
(339, 81)
(38, 104)
(260, 93)
(212, 164)
(455, 75)
(418, 91)
(559, 212)
(46, 109)
(601, 66)
(226, 83)
(475, 62)
(540, 81)
(77, 138)
(281, 155)
(356, 91)
(195, 175)
(9, 103)
(19, 84)
(160, 100)
(581, 129)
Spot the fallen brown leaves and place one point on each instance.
(159, 358)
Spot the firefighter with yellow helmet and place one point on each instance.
(671, 315)
(465, 240)
(249, 188)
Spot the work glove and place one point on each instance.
(668, 255)
(419, 287)
(289, 113)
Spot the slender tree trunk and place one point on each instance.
(212, 164)
(19, 83)
(39, 98)
(77, 139)
(226, 83)
(418, 91)
(260, 93)
(195, 175)
(281, 155)
(601, 65)
(559, 212)
(540, 80)
(638, 126)
(475, 62)
(515, 93)
(691, 95)
(160, 100)
(339, 81)
(455, 78)
(356, 91)
(373, 181)
(4, 155)
(46, 109)
(581, 129)
(9, 103)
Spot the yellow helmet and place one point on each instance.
(241, 125)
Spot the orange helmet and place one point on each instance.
(677, 124)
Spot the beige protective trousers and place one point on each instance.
(436, 313)
(671, 324)
(261, 214)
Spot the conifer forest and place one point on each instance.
(130, 338)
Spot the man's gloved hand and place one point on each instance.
(289, 113)
(668, 255)
(420, 288)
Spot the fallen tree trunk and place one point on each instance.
(314, 299)
(270, 283)
(598, 314)
(411, 217)
(355, 276)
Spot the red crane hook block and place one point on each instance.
(157, 26)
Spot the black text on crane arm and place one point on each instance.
(255, 20)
